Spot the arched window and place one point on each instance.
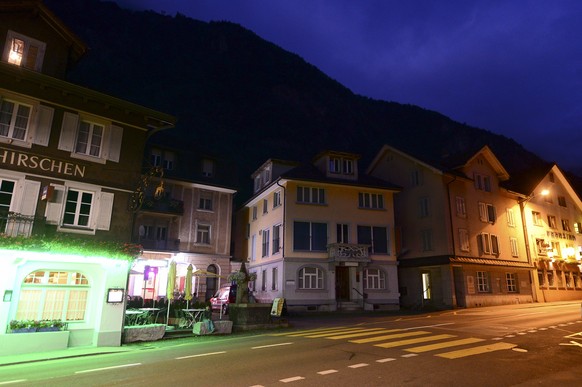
(374, 279)
(53, 295)
(310, 277)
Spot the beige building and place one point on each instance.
(553, 225)
(189, 222)
(461, 237)
(320, 235)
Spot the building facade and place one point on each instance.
(461, 235)
(70, 158)
(321, 235)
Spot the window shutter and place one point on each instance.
(494, 245)
(44, 122)
(29, 197)
(55, 205)
(105, 210)
(68, 131)
(492, 214)
(483, 212)
(114, 147)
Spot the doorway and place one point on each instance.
(426, 287)
(342, 283)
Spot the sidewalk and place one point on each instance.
(61, 354)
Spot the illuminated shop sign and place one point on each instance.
(42, 163)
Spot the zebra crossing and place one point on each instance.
(413, 342)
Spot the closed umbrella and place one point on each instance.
(170, 287)
(188, 286)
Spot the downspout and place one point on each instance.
(453, 290)
(534, 286)
(283, 227)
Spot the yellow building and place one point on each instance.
(321, 235)
(461, 237)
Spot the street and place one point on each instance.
(525, 345)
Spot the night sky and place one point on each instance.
(511, 67)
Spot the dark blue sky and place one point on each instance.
(511, 67)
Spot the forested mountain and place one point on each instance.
(240, 97)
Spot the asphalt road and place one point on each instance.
(522, 345)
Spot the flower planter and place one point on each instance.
(150, 332)
(48, 329)
(33, 342)
(23, 330)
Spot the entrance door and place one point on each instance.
(342, 283)
(426, 288)
(459, 286)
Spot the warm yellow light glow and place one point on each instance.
(545, 192)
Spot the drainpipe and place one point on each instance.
(282, 239)
(534, 287)
(452, 274)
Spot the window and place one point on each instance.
(276, 199)
(161, 233)
(78, 208)
(169, 159)
(15, 118)
(510, 217)
(514, 248)
(555, 249)
(253, 247)
(426, 240)
(511, 282)
(264, 280)
(156, 157)
(274, 278)
(416, 178)
(308, 236)
(482, 182)
(482, 282)
(203, 234)
(310, 278)
(423, 207)
(6, 193)
(566, 225)
(207, 168)
(488, 243)
(254, 210)
(23, 51)
(541, 246)
(53, 295)
(339, 165)
(464, 239)
(265, 206)
(368, 200)
(277, 238)
(487, 212)
(562, 201)
(376, 237)
(266, 240)
(342, 233)
(577, 227)
(89, 139)
(537, 218)
(460, 206)
(205, 202)
(552, 221)
(374, 279)
(310, 195)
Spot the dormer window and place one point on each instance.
(24, 51)
(338, 165)
(207, 168)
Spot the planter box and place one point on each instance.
(250, 316)
(23, 343)
(151, 332)
(221, 327)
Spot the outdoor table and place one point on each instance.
(193, 315)
(131, 316)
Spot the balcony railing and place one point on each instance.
(15, 224)
(155, 244)
(342, 252)
(163, 205)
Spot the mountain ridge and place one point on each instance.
(244, 98)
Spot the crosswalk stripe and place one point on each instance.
(354, 330)
(446, 344)
(367, 333)
(388, 337)
(413, 341)
(306, 332)
(476, 350)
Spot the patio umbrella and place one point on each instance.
(170, 287)
(188, 286)
(204, 274)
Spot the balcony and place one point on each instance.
(14, 224)
(163, 206)
(348, 252)
(160, 245)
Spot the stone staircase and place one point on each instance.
(349, 306)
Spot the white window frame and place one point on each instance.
(277, 238)
(464, 240)
(10, 56)
(488, 244)
(265, 241)
(312, 280)
(482, 182)
(203, 233)
(487, 213)
(537, 218)
(370, 200)
(514, 247)
(374, 279)
(482, 282)
(461, 207)
(311, 195)
(205, 202)
(511, 282)
(276, 199)
(510, 217)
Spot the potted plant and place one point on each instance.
(50, 325)
(22, 326)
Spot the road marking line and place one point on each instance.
(519, 349)
(510, 336)
(574, 343)
(532, 331)
(354, 330)
(107, 368)
(413, 341)
(293, 379)
(200, 355)
(476, 350)
(270, 345)
(327, 372)
(14, 381)
(497, 338)
(385, 360)
(427, 326)
(359, 365)
(409, 355)
(543, 329)
(307, 332)
(388, 337)
(368, 333)
(447, 344)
